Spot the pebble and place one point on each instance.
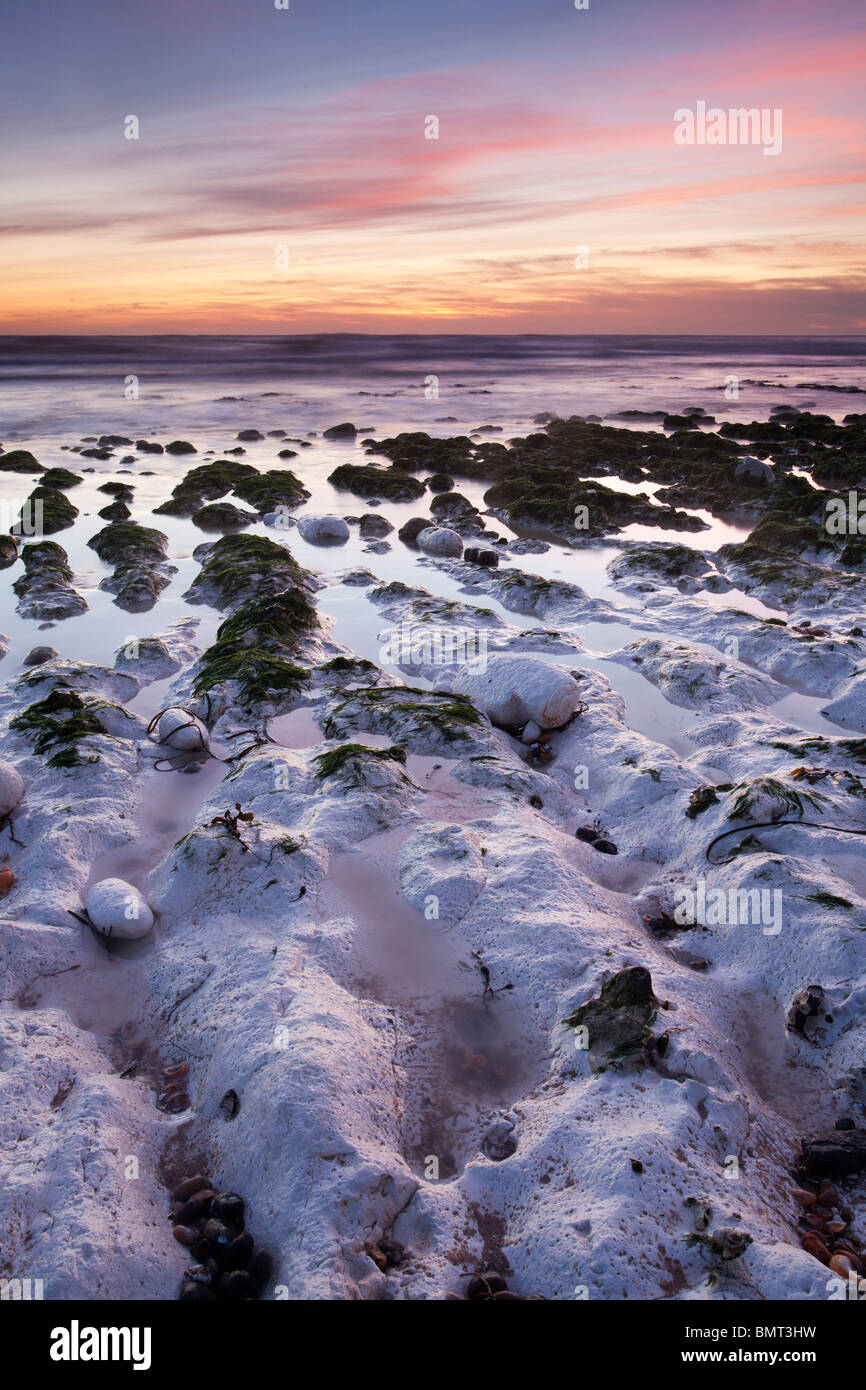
(185, 1235)
(195, 1207)
(188, 1186)
(228, 1206)
(191, 1291)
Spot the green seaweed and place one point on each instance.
(57, 725)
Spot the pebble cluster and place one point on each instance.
(823, 1228)
(173, 1098)
(593, 837)
(211, 1225)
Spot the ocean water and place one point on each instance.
(62, 385)
(57, 391)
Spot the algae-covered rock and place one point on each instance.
(19, 461)
(44, 512)
(425, 721)
(60, 478)
(268, 492)
(222, 516)
(237, 568)
(63, 724)
(373, 525)
(141, 571)
(255, 645)
(618, 1020)
(365, 481)
(45, 588)
(354, 765)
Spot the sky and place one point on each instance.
(283, 179)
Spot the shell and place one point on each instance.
(828, 1194)
(813, 1243)
(7, 878)
(804, 1198)
(842, 1264)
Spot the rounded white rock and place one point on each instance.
(180, 730)
(11, 788)
(515, 689)
(439, 540)
(117, 909)
(323, 530)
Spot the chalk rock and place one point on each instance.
(117, 909)
(515, 689)
(849, 707)
(439, 540)
(750, 467)
(323, 530)
(442, 871)
(180, 730)
(11, 788)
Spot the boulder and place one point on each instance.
(439, 540)
(849, 707)
(117, 909)
(411, 529)
(442, 872)
(181, 730)
(515, 689)
(755, 469)
(323, 530)
(374, 526)
(37, 655)
(11, 788)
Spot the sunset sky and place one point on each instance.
(305, 128)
